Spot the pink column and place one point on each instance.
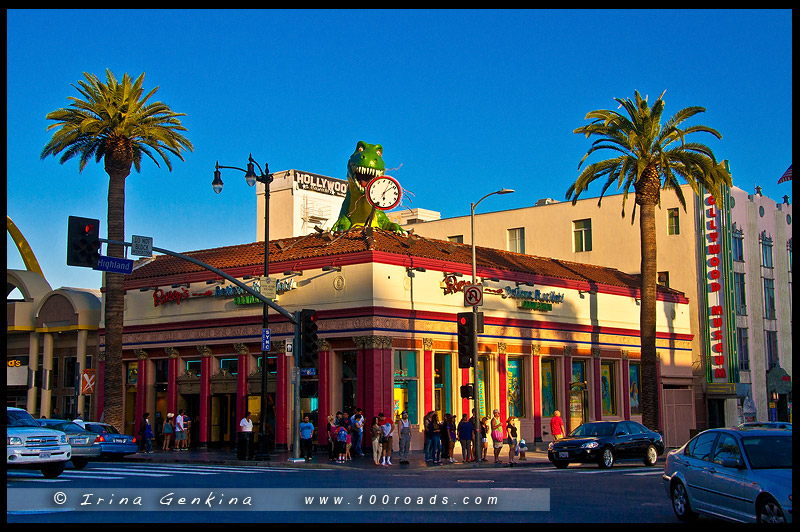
(172, 385)
(324, 405)
(565, 394)
(502, 388)
(537, 395)
(598, 389)
(465, 402)
(141, 392)
(626, 388)
(429, 381)
(205, 400)
(243, 370)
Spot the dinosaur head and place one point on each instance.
(365, 163)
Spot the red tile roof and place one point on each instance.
(357, 246)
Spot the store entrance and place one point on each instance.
(223, 420)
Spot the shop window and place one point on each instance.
(483, 386)
(634, 371)
(231, 365)
(578, 371)
(349, 380)
(549, 387)
(743, 348)
(406, 384)
(516, 387)
(69, 371)
(608, 395)
(516, 240)
(194, 366)
(582, 235)
(673, 222)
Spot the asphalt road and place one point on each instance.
(108, 492)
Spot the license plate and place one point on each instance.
(119, 440)
(563, 454)
(44, 455)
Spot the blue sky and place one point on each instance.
(466, 101)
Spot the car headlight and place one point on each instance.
(13, 440)
(62, 439)
(590, 445)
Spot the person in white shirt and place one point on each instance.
(180, 433)
(246, 424)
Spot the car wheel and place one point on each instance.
(79, 463)
(769, 511)
(650, 456)
(606, 458)
(560, 464)
(680, 503)
(53, 469)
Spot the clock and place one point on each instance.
(384, 192)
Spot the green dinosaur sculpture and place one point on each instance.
(365, 163)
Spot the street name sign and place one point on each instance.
(265, 339)
(114, 265)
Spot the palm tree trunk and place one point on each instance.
(647, 315)
(115, 300)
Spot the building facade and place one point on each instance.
(558, 335)
(754, 284)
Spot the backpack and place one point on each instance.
(342, 436)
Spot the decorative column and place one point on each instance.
(283, 398)
(47, 372)
(83, 338)
(378, 373)
(243, 370)
(565, 393)
(172, 379)
(204, 433)
(141, 388)
(324, 405)
(502, 376)
(99, 391)
(427, 374)
(536, 372)
(626, 385)
(33, 367)
(598, 384)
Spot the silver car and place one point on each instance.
(81, 441)
(734, 473)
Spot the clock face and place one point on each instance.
(383, 192)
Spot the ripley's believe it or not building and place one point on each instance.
(561, 333)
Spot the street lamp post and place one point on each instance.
(475, 387)
(265, 178)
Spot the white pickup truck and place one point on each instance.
(31, 446)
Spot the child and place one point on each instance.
(521, 449)
(341, 442)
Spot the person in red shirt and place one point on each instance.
(557, 426)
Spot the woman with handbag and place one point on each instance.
(497, 435)
(511, 434)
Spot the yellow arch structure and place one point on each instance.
(24, 248)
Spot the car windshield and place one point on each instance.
(20, 418)
(769, 452)
(64, 426)
(594, 429)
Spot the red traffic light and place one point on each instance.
(462, 320)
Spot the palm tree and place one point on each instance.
(115, 123)
(647, 153)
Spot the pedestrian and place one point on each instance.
(168, 431)
(426, 434)
(147, 434)
(142, 425)
(497, 435)
(404, 429)
(180, 434)
(557, 426)
(187, 428)
(245, 437)
(451, 437)
(436, 447)
(341, 443)
(484, 438)
(511, 434)
(357, 429)
(306, 438)
(476, 429)
(331, 444)
(386, 439)
(523, 448)
(375, 433)
(465, 433)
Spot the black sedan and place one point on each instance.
(605, 442)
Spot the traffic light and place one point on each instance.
(308, 337)
(467, 391)
(83, 242)
(466, 331)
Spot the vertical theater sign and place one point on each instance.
(722, 369)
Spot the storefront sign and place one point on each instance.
(320, 183)
(162, 296)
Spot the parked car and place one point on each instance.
(766, 425)
(80, 439)
(113, 443)
(31, 446)
(737, 474)
(606, 442)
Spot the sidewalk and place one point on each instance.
(320, 460)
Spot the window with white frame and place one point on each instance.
(582, 235)
(673, 222)
(516, 240)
